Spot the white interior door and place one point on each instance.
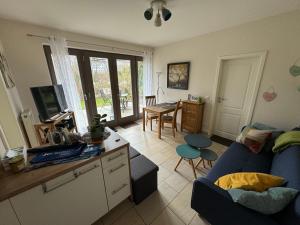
(236, 92)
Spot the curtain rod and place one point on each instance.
(81, 42)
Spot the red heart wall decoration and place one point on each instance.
(269, 95)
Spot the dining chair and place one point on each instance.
(150, 101)
(171, 119)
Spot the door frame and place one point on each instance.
(87, 85)
(261, 55)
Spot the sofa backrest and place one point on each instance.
(287, 164)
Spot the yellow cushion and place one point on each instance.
(249, 181)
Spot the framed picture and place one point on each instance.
(178, 75)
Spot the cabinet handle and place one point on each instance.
(79, 173)
(119, 189)
(47, 190)
(115, 157)
(117, 168)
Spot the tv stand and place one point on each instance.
(41, 129)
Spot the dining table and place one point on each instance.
(159, 109)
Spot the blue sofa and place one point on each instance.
(216, 205)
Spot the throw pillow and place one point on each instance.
(262, 126)
(285, 140)
(268, 202)
(254, 139)
(249, 181)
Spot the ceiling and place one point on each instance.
(123, 20)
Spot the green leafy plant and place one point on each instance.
(98, 127)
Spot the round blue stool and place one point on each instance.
(186, 151)
(197, 140)
(208, 155)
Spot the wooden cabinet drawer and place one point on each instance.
(118, 192)
(110, 159)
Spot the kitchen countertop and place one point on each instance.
(12, 184)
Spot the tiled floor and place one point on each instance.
(170, 205)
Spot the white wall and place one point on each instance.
(8, 121)
(27, 59)
(279, 35)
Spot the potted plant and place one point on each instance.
(97, 128)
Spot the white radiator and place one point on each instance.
(28, 122)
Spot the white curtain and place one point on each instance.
(65, 77)
(148, 72)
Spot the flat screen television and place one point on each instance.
(49, 100)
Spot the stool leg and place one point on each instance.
(192, 163)
(151, 124)
(210, 164)
(204, 164)
(178, 163)
(199, 162)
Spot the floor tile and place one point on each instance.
(177, 182)
(129, 218)
(170, 205)
(118, 211)
(152, 206)
(163, 174)
(167, 217)
(181, 205)
(198, 221)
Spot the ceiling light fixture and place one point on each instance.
(158, 5)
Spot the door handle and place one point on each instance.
(221, 99)
(46, 189)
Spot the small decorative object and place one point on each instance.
(295, 69)
(6, 73)
(97, 129)
(195, 98)
(178, 75)
(270, 94)
(158, 6)
(55, 137)
(17, 163)
(74, 137)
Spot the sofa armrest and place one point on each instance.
(216, 206)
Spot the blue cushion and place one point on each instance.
(261, 126)
(238, 158)
(268, 202)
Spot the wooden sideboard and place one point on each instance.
(192, 115)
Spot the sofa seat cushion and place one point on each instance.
(238, 158)
(287, 165)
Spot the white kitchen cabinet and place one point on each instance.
(7, 215)
(76, 198)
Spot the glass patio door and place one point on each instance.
(102, 88)
(112, 86)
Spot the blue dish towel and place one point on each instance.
(64, 156)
